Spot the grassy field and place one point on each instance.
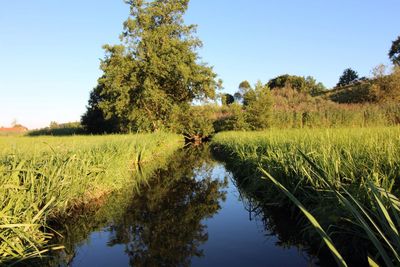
(344, 181)
(42, 178)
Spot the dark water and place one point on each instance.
(190, 213)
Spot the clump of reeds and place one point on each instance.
(360, 168)
(46, 177)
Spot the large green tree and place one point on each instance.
(93, 119)
(394, 52)
(155, 68)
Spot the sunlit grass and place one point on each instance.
(45, 177)
(360, 168)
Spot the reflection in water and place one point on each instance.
(162, 225)
(159, 225)
(188, 213)
(283, 223)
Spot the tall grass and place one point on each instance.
(347, 179)
(47, 177)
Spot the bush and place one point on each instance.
(194, 122)
(231, 118)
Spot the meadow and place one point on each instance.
(45, 178)
(343, 182)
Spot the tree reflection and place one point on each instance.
(160, 223)
(163, 224)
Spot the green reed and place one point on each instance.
(343, 179)
(42, 178)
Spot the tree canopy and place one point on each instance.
(244, 86)
(347, 77)
(93, 119)
(155, 68)
(301, 84)
(394, 52)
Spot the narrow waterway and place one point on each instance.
(190, 213)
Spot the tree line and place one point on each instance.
(154, 80)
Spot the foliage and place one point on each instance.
(249, 96)
(302, 84)
(394, 52)
(358, 92)
(297, 110)
(94, 121)
(154, 69)
(349, 76)
(386, 87)
(227, 99)
(193, 121)
(244, 86)
(294, 109)
(255, 113)
(243, 89)
(59, 129)
(258, 107)
(232, 119)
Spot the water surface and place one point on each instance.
(190, 213)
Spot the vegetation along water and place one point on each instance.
(344, 181)
(315, 169)
(46, 178)
(190, 211)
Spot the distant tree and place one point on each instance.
(244, 87)
(227, 99)
(300, 84)
(154, 69)
(238, 97)
(394, 53)
(347, 77)
(53, 125)
(313, 87)
(295, 82)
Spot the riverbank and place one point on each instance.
(332, 173)
(44, 178)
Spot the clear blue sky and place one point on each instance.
(50, 50)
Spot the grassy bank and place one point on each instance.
(345, 180)
(43, 178)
